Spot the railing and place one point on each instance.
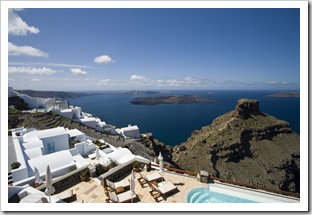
(177, 170)
(296, 195)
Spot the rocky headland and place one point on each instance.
(245, 145)
(170, 99)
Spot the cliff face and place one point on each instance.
(245, 145)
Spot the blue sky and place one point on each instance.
(125, 49)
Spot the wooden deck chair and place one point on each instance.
(111, 186)
(121, 198)
(162, 189)
(146, 179)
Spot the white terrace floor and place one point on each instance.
(93, 192)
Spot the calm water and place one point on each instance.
(173, 124)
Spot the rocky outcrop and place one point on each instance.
(247, 107)
(245, 145)
(18, 103)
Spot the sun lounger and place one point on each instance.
(121, 198)
(125, 184)
(162, 189)
(146, 179)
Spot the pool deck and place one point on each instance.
(93, 192)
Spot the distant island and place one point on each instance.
(63, 94)
(170, 99)
(140, 92)
(286, 95)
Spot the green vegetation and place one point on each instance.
(15, 165)
(84, 172)
(113, 163)
(135, 164)
(100, 145)
(14, 111)
(72, 168)
(100, 169)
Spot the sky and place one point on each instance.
(153, 49)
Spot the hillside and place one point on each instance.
(147, 147)
(245, 145)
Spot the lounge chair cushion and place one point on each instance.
(126, 196)
(22, 194)
(113, 196)
(110, 184)
(165, 187)
(123, 183)
(152, 177)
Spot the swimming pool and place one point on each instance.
(204, 195)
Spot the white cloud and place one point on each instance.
(90, 79)
(77, 71)
(104, 82)
(272, 82)
(31, 70)
(103, 59)
(17, 26)
(138, 78)
(25, 50)
(46, 64)
(188, 81)
(35, 79)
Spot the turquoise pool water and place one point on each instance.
(204, 195)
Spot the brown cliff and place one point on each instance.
(245, 145)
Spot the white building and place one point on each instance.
(46, 147)
(39, 149)
(75, 113)
(35, 102)
(129, 132)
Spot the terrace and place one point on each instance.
(92, 191)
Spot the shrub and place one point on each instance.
(15, 165)
(84, 172)
(100, 169)
(72, 168)
(113, 163)
(135, 164)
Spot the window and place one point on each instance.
(50, 148)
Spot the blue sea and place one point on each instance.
(174, 123)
